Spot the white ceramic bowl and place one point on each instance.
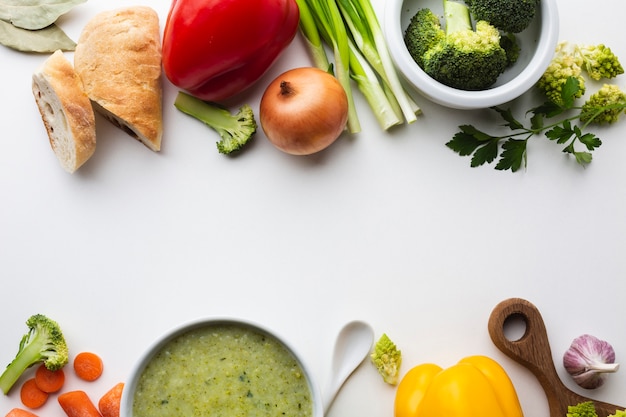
(537, 42)
(128, 394)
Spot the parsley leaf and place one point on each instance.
(513, 155)
(507, 115)
(557, 121)
(467, 140)
(485, 154)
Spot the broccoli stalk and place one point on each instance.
(459, 57)
(235, 130)
(387, 359)
(457, 17)
(44, 342)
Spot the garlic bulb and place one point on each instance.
(588, 360)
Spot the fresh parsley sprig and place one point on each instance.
(510, 149)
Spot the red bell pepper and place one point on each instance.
(215, 49)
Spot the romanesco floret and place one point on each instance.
(387, 359)
(584, 409)
(599, 61)
(604, 106)
(565, 63)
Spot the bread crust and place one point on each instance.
(66, 111)
(118, 58)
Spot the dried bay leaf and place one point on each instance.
(34, 14)
(45, 40)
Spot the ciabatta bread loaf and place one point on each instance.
(118, 57)
(66, 111)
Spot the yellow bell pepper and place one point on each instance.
(477, 386)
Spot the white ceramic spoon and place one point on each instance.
(353, 345)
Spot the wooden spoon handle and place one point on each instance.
(533, 351)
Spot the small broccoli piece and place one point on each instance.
(599, 61)
(235, 130)
(619, 413)
(44, 342)
(565, 63)
(459, 57)
(509, 43)
(604, 106)
(387, 359)
(584, 409)
(511, 16)
(423, 33)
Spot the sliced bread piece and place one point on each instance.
(66, 111)
(118, 58)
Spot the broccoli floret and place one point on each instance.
(619, 413)
(512, 16)
(423, 33)
(235, 130)
(511, 47)
(460, 57)
(565, 63)
(584, 409)
(387, 359)
(604, 106)
(599, 61)
(44, 342)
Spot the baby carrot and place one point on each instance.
(77, 404)
(88, 366)
(20, 412)
(49, 381)
(31, 395)
(109, 404)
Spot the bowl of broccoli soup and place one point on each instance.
(220, 367)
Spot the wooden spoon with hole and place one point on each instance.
(533, 351)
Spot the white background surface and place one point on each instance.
(392, 228)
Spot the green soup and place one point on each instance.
(223, 370)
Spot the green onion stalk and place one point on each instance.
(365, 29)
(384, 106)
(308, 27)
(360, 51)
(329, 22)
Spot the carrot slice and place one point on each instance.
(31, 395)
(77, 404)
(109, 404)
(20, 412)
(88, 366)
(49, 381)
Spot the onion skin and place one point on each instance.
(588, 360)
(303, 111)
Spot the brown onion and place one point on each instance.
(303, 111)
